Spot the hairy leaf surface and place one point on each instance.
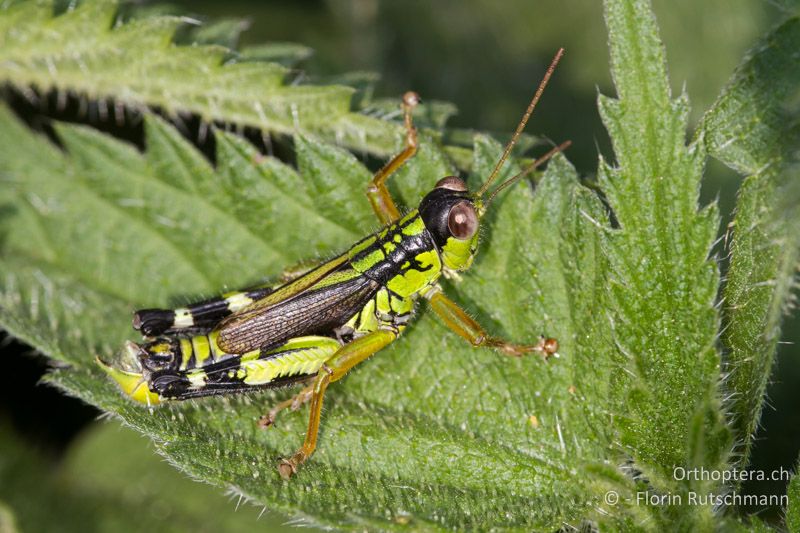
(663, 284)
(753, 128)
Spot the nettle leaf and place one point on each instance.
(750, 124)
(100, 229)
(765, 252)
(663, 283)
(753, 129)
(793, 509)
(429, 433)
(89, 51)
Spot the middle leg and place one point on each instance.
(293, 403)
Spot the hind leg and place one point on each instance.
(199, 317)
(334, 369)
(203, 316)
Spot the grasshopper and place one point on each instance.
(312, 328)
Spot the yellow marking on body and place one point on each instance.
(382, 302)
(302, 355)
(212, 344)
(183, 318)
(369, 261)
(405, 265)
(415, 227)
(132, 384)
(298, 343)
(197, 378)
(337, 277)
(161, 347)
(403, 284)
(458, 254)
(185, 356)
(186, 352)
(398, 238)
(202, 350)
(237, 300)
(238, 373)
(428, 259)
(352, 323)
(389, 247)
(251, 355)
(361, 246)
(409, 216)
(401, 306)
(368, 321)
(411, 280)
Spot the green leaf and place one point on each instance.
(430, 433)
(137, 57)
(136, 64)
(752, 129)
(750, 125)
(286, 54)
(764, 255)
(222, 32)
(793, 510)
(662, 282)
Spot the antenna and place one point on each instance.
(522, 123)
(530, 168)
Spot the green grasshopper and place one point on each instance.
(314, 327)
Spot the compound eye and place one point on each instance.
(453, 183)
(462, 220)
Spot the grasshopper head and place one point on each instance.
(450, 214)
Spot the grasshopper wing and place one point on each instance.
(304, 307)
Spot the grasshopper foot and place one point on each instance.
(546, 347)
(293, 404)
(288, 467)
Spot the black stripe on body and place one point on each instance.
(406, 250)
(176, 386)
(152, 322)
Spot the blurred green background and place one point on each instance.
(484, 56)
